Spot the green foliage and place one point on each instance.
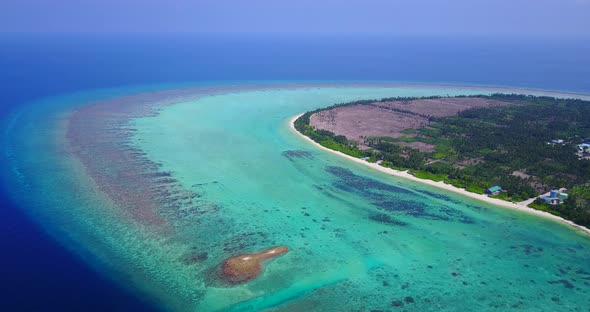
(388, 164)
(345, 148)
(581, 192)
(541, 204)
(474, 188)
(505, 139)
(421, 174)
(456, 183)
(503, 196)
(577, 207)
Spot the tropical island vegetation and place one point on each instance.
(526, 144)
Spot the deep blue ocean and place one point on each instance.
(38, 274)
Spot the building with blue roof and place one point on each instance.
(494, 190)
(555, 197)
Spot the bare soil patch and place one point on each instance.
(440, 107)
(389, 119)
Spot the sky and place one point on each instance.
(504, 17)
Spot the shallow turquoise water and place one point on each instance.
(455, 253)
(359, 239)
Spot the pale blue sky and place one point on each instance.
(517, 17)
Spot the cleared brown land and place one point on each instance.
(441, 107)
(389, 119)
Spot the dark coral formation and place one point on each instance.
(195, 258)
(388, 198)
(528, 249)
(244, 241)
(384, 218)
(294, 154)
(355, 183)
(437, 196)
(564, 282)
(419, 210)
(245, 267)
(397, 303)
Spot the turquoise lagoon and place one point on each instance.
(359, 240)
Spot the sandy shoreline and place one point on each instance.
(442, 185)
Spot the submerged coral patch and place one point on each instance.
(385, 218)
(294, 154)
(392, 199)
(368, 187)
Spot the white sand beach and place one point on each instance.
(404, 174)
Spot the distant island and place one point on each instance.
(518, 148)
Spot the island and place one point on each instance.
(245, 267)
(522, 150)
